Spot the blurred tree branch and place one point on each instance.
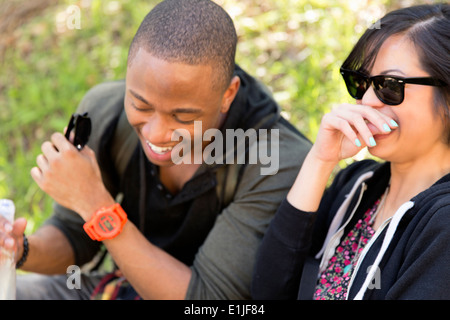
(14, 13)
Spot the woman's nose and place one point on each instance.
(371, 99)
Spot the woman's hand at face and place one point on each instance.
(347, 129)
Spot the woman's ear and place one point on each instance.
(230, 94)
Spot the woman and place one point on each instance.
(381, 230)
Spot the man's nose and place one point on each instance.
(157, 130)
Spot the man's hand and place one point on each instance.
(71, 177)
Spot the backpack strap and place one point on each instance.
(228, 175)
(227, 180)
(124, 143)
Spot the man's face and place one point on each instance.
(164, 96)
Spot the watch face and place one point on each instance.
(107, 224)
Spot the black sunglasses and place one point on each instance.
(80, 124)
(389, 89)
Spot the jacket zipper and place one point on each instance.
(331, 247)
(393, 223)
(363, 254)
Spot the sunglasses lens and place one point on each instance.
(83, 131)
(388, 90)
(70, 127)
(356, 84)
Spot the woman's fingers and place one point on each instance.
(366, 122)
(359, 127)
(348, 131)
(348, 128)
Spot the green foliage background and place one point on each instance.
(294, 46)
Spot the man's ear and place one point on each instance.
(230, 94)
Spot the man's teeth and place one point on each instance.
(159, 150)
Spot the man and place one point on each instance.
(178, 238)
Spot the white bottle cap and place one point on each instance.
(7, 209)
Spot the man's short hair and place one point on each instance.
(194, 32)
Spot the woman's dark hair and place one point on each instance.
(428, 28)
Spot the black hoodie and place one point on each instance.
(409, 256)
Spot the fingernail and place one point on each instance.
(7, 227)
(393, 123)
(372, 142)
(358, 143)
(9, 243)
(386, 128)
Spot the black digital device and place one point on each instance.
(81, 126)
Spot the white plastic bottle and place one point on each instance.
(7, 263)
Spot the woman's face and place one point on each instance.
(420, 130)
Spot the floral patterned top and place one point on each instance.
(333, 282)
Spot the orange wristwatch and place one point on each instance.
(106, 223)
